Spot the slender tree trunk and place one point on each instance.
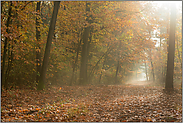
(152, 66)
(38, 49)
(180, 60)
(153, 71)
(75, 63)
(7, 70)
(171, 50)
(118, 63)
(146, 71)
(102, 70)
(117, 69)
(5, 47)
(10, 60)
(88, 52)
(161, 63)
(100, 75)
(41, 83)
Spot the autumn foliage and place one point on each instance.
(95, 43)
(118, 38)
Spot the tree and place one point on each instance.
(100, 42)
(5, 47)
(84, 53)
(171, 49)
(41, 83)
(38, 55)
(75, 62)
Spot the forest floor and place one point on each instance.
(132, 102)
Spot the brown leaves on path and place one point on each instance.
(91, 104)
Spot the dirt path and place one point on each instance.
(142, 83)
(125, 103)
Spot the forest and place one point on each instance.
(91, 61)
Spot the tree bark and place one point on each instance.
(84, 52)
(10, 61)
(5, 47)
(38, 49)
(171, 50)
(84, 58)
(41, 83)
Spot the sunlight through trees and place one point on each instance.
(93, 42)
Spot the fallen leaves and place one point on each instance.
(91, 104)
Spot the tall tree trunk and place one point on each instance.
(171, 50)
(84, 58)
(84, 52)
(41, 83)
(5, 47)
(38, 49)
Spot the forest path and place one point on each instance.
(143, 83)
(114, 103)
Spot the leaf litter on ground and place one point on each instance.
(112, 103)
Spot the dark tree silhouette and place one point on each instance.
(84, 52)
(41, 83)
(4, 83)
(38, 55)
